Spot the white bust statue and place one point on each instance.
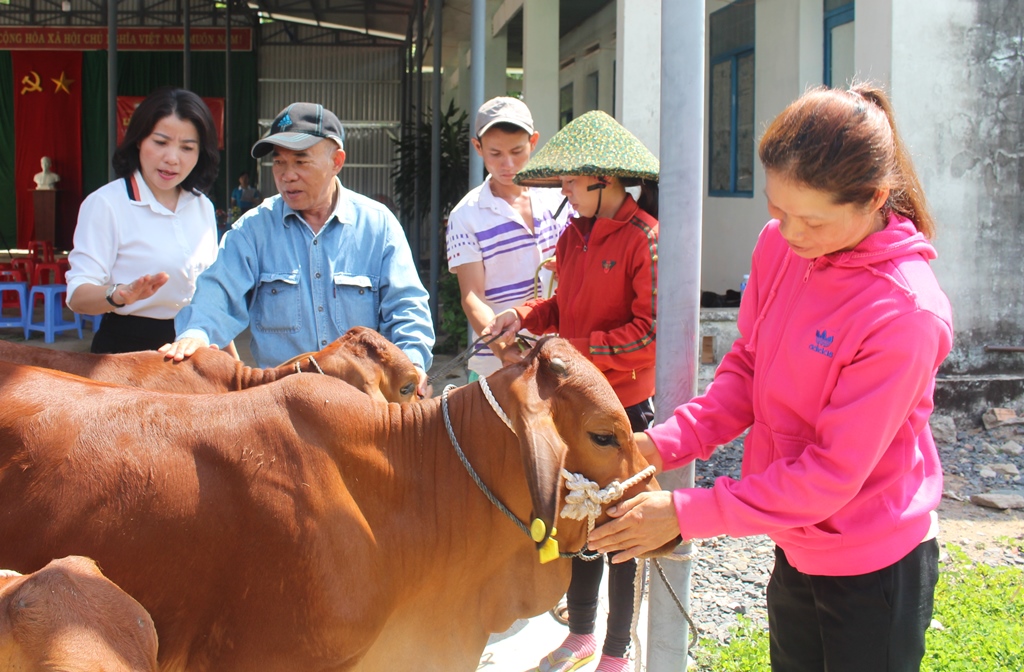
(46, 179)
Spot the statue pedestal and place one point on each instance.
(44, 202)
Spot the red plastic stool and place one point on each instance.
(25, 265)
(51, 269)
(41, 250)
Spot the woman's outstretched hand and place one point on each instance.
(642, 525)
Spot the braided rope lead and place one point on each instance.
(494, 404)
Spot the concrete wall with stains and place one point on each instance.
(958, 83)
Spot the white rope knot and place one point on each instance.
(586, 500)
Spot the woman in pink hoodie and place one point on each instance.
(842, 330)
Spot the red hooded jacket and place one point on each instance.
(605, 303)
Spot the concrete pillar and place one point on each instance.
(496, 53)
(464, 92)
(540, 64)
(680, 205)
(872, 42)
(607, 95)
(638, 56)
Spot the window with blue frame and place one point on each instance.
(839, 32)
(731, 113)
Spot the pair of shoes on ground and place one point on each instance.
(575, 652)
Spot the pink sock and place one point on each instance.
(613, 664)
(580, 645)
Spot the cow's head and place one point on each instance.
(566, 414)
(368, 361)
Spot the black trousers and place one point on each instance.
(581, 598)
(129, 333)
(873, 621)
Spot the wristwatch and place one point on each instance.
(110, 296)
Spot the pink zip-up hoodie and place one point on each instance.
(833, 373)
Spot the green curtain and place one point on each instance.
(139, 73)
(95, 169)
(8, 202)
(208, 80)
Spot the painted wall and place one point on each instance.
(788, 58)
(958, 86)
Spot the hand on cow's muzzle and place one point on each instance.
(641, 526)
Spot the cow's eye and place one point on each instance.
(408, 390)
(604, 440)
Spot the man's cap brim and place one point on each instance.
(488, 126)
(293, 141)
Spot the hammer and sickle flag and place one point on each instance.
(31, 83)
(47, 122)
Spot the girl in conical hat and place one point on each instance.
(605, 305)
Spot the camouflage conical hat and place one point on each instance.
(592, 144)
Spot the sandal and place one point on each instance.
(565, 659)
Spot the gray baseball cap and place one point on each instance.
(300, 126)
(503, 110)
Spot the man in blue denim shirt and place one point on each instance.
(309, 263)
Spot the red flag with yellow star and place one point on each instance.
(48, 122)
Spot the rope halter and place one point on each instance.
(586, 499)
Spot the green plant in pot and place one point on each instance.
(410, 181)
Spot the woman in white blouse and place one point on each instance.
(142, 240)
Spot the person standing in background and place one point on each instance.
(311, 262)
(143, 240)
(606, 306)
(500, 233)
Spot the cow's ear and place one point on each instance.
(542, 450)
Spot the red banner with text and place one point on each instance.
(82, 38)
(47, 123)
(126, 108)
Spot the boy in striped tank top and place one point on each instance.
(500, 233)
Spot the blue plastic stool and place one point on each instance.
(53, 312)
(21, 288)
(93, 320)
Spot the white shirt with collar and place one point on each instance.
(486, 228)
(123, 232)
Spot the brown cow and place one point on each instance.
(300, 525)
(361, 357)
(68, 617)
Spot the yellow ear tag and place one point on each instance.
(549, 551)
(537, 530)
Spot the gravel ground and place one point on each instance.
(729, 575)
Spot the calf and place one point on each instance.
(361, 357)
(301, 526)
(68, 617)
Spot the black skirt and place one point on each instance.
(129, 333)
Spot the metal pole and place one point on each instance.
(227, 109)
(417, 121)
(111, 86)
(680, 205)
(404, 116)
(435, 161)
(477, 69)
(186, 46)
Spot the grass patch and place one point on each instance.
(981, 609)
